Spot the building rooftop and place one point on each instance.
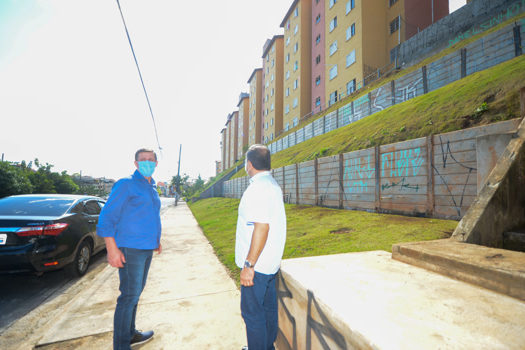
(253, 73)
(269, 43)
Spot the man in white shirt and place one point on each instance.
(259, 246)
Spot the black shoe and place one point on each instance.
(141, 337)
(245, 347)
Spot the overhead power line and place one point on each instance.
(140, 75)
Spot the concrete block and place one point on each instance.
(370, 301)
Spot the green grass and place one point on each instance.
(494, 92)
(316, 231)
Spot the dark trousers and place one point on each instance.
(132, 281)
(259, 311)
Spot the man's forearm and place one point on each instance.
(259, 237)
(110, 243)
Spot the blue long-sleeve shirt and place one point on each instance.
(132, 214)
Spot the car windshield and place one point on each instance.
(34, 206)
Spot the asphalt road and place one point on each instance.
(23, 292)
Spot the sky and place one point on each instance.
(70, 94)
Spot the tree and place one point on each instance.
(180, 182)
(13, 180)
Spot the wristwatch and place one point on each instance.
(248, 264)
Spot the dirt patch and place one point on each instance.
(342, 230)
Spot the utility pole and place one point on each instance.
(178, 178)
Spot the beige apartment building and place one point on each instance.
(272, 92)
(297, 101)
(255, 110)
(243, 124)
(234, 127)
(361, 37)
(223, 150)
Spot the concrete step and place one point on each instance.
(370, 301)
(514, 240)
(497, 269)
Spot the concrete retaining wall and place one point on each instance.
(432, 176)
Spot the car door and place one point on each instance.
(91, 212)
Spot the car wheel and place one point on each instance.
(80, 265)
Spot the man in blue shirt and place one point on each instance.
(131, 227)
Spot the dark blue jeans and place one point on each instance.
(259, 311)
(132, 281)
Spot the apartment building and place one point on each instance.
(272, 91)
(362, 36)
(297, 24)
(234, 127)
(227, 143)
(223, 149)
(243, 124)
(318, 55)
(255, 110)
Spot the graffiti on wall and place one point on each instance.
(357, 172)
(513, 10)
(447, 158)
(322, 329)
(399, 163)
(403, 185)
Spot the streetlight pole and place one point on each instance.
(178, 178)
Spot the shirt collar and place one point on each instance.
(138, 176)
(259, 175)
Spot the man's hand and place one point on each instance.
(159, 249)
(247, 275)
(116, 257)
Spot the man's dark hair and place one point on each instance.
(142, 150)
(259, 156)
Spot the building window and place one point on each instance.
(350, 59)
(318, 18)
(287, 57)
(296, 47)
(350, 87)
(296, 12)
(288, 24)
(273, 62)
(266, 100)
(272, 107)
(333, 24)
(287, 41)
(271, 122)
(271, 136)
(333, 48)
(318, 59)
(287, 109)
(392, 2)
(287, 92)
(350, 31)
(318, 80)
(296, 29)
(295, 121)
(287, 75)
(296, 84)
(267, 84)
(332, 3)
(287, 127)
(271, 79)
(318, 39)
(394, 25)
(350, 5)
(272, 92)
(296, 66)
(333, 72)
(266, 125)
(295, 102)
(318, 101)
(333, 98)
(316, 1)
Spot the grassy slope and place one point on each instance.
(318, 231)
(450, 108)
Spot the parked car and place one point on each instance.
(44, 232)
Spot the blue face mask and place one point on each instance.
(146, 168)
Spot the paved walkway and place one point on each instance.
(189, 300)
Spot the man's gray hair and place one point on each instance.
(143, 150)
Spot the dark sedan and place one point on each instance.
(44, 232)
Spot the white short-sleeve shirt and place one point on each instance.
(262, 202)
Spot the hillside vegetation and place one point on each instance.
(482, 98)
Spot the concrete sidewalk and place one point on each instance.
(189, 300)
